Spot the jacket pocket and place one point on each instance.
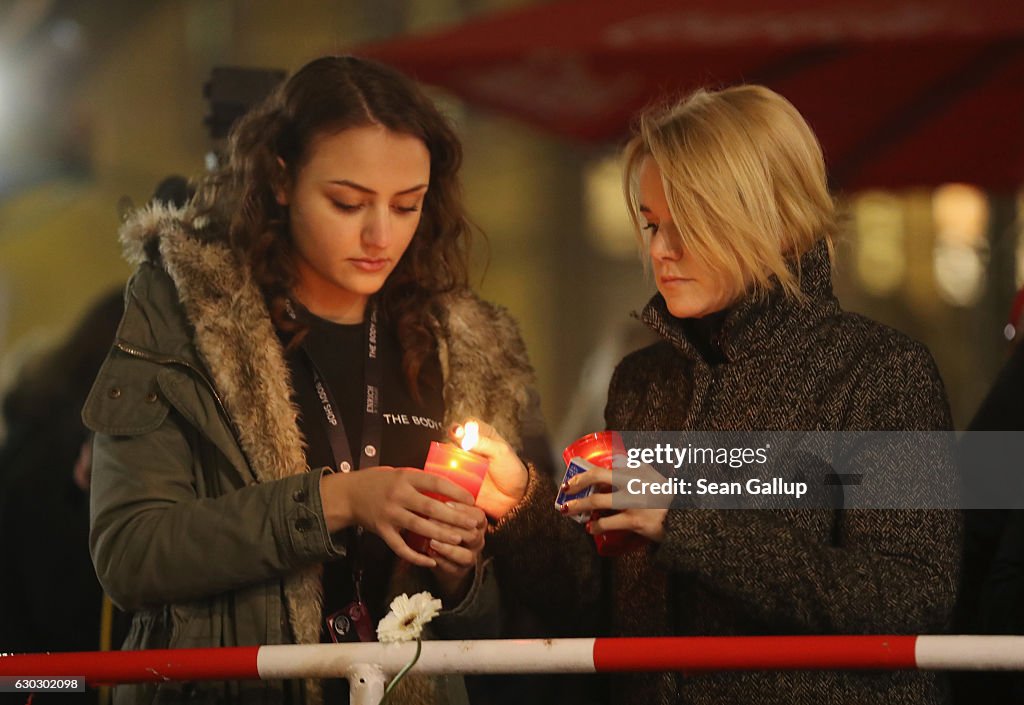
(125, 399)
(195, 626)
(198, 406)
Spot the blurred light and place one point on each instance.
(604, 209)
(959, 273)
(66, 35)
(960, 214)
(1020, 239)
(6, 101)
(879, 252)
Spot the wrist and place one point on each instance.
(334, 501)
(500, 507)
(516, 479)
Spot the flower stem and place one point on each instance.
(401, 674)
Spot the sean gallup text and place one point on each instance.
(701, 486)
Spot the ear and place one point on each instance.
(282, 185)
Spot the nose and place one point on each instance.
(666, 243)
(376, 233)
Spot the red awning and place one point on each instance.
(901, 92)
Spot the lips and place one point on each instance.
(369, 264)
(670, 279)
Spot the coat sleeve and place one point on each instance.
(546, 561)
(155, 540)
(475, 616)
(542, 561)
(885, 570)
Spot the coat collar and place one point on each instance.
(758, 325)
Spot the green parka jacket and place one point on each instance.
(206, 520)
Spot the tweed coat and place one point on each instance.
(206, 520)
(788, 365)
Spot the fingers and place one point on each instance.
(456, 431)
(618, 480)
(389, 501)
(452, 559)
(489, 444)
(471, 538)
(459, 546)
(456, 560)
(649, 523)
(628, 520)
(594, 475)
(619, 521)
(443, 510)
(426, 482)
(475, 519)
(397, 544)
(598, 500)
(431, 529)
(491, 448)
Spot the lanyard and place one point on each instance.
(372, 420)
(334, 426)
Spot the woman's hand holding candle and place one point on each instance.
(387, 501)
(505, 483)
(633, 513)
(455, 562)
(457, 465)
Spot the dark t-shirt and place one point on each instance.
(408, 427)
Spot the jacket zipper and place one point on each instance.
(175, 361)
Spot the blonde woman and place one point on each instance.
(728, 191)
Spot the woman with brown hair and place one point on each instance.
(292, 342)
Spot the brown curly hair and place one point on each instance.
(328, 95)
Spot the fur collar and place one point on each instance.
(483, 359)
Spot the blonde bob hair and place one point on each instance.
(745, 182)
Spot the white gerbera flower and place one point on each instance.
(407, 616)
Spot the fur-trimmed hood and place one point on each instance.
(483, 360)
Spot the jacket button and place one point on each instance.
(151, 397)
(114, 392)
(303, 524)
(299, 495)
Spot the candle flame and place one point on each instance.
(471, 436)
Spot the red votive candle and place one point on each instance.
(600, 449)
(463, 467)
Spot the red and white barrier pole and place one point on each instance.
(367, 665)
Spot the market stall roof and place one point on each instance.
(900, 92)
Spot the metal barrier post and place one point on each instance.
(365, 684)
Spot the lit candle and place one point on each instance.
(460, 465)
(600, 449)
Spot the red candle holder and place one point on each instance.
(463, 467)
(600, 449)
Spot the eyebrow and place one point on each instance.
(364, 189)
